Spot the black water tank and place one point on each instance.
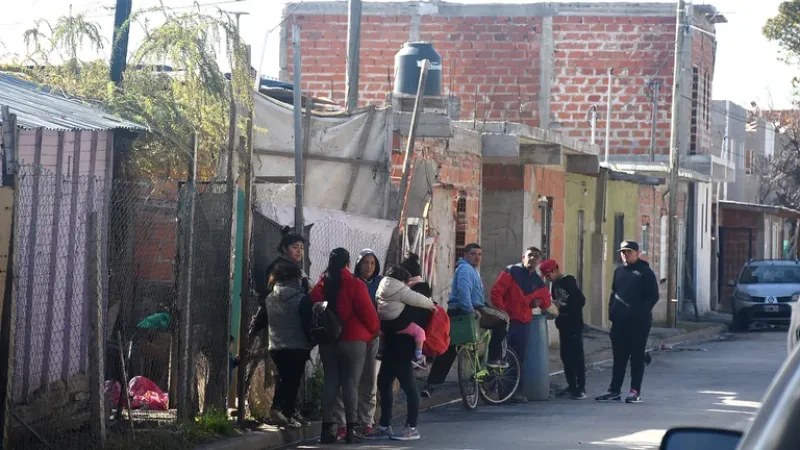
(407, 67)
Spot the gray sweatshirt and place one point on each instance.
(283, 309)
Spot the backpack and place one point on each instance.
(437, 333)
(325, 327)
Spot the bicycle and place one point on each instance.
(475, 378)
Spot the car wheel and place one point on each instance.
(740, 322)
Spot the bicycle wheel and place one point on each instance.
(467, 381)
(499, 385)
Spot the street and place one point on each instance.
(715, 384)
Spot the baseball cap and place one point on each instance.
(629, 245)
(548, 266)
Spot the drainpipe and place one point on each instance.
(727, 141)
(593, 123)
(608, 113)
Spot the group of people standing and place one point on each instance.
(384, 317)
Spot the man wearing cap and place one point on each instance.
(570, 301)
(634, 293)
(517, 291)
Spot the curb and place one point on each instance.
(271, 439)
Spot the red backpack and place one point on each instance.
(437, 333)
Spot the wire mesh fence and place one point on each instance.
(103, 273)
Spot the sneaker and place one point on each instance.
(294, 424)
(420, 364)
(408, 434)
(276, 417)
(564, 393)
(633, 397)
(579, 395)
(379, 433)
(427, 391)
(499, 364)
(341, 433)
(301, 420)
(609, 397)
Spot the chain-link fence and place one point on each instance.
(105, 276)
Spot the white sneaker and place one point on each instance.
(408, 434)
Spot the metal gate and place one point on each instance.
(736, 248)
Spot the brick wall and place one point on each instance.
(494, 65)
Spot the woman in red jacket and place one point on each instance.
(344, 361)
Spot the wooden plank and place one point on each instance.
(53, 266)
(339, 159)
(89, 208)
(96, 355)
(362, 148)
(8, 249)
(31, 255)
(70, 280)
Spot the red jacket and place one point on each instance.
(354, 307)
(517, 291)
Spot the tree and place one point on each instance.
(194, 98)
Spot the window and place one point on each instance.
(619, 235)
(645, 235)
(662, 256)
(695, 98)
(462, 224)
(749, 162)
(707, 100)
(581, 248)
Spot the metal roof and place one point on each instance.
(37, 106)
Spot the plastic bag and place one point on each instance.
(146, 394)
(437, 333)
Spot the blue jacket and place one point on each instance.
(466, 292)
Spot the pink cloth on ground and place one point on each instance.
(415, 331)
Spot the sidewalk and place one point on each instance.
(596, 346)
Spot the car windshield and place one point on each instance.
(771, 274)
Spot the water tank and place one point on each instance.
(407, 66)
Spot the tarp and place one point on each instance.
(366, 135)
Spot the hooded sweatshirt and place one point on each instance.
(466, 292)
(372, 284)
(285, 326)
(393, 296)
(634, 293)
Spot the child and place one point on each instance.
(570, 301)
(402, 310)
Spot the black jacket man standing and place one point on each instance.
(634, 293)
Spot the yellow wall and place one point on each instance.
(623, 198)
(580, 195)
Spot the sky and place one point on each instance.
(747, 69)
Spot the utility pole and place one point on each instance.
(119, 52)
(298, 134)
(353, 51)
(608, 116)
(656, 85)
(674, 166)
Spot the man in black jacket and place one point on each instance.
(634, 293)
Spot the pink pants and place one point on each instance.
(416, 332)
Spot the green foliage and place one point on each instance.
(193, 99)
(784, 29)
(215, 422)
(312, 401)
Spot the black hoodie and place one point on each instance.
(634, 293)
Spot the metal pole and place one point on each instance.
(608, 114)
(674, 166)
(353, 50)
(593, 122)
(246, 246)
(119, 52)
(654, 122)
(298, 134)
(412, 136)
(7, 303)
(185, 364)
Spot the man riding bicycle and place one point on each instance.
(467, 297)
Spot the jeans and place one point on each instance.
(571, 338)
(400, 369)
(629, 342)
(343, 364)
(291, 364)
(518, 341)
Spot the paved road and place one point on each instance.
(712, 384)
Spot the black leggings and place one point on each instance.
(291, 365)
(393, 368)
